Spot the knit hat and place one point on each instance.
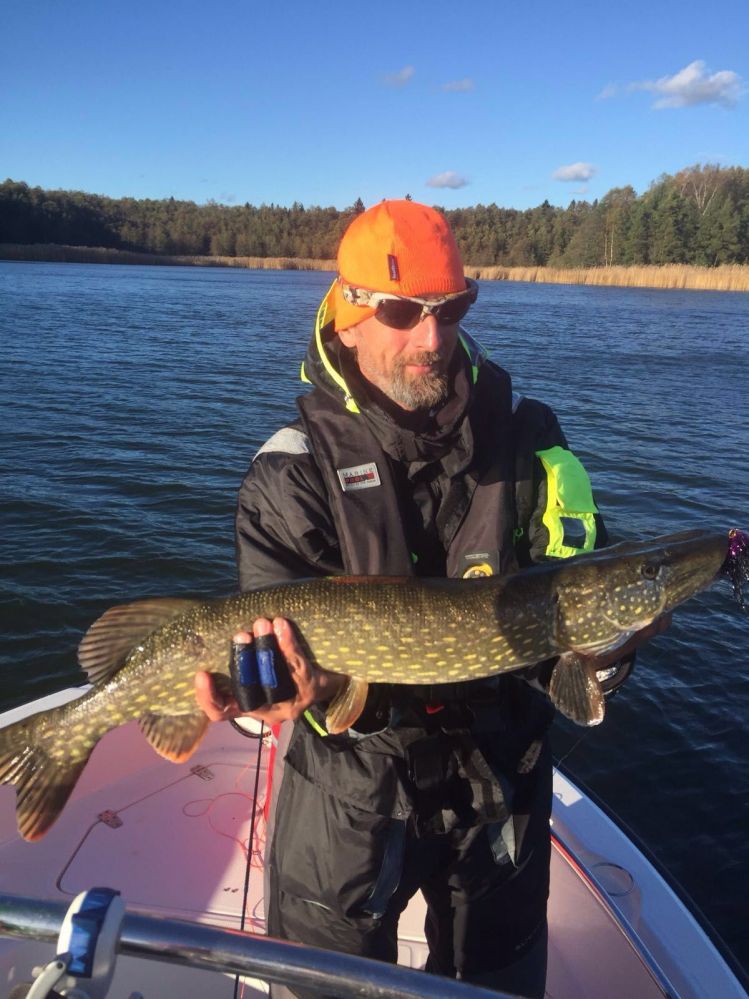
(400, 247)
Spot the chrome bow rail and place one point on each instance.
(202, 946)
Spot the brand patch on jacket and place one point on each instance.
(358, 477)
(475, 564)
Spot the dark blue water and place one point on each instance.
(132, 400)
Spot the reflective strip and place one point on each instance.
(570, 511)
(324, 315)
(477, 354)
(287, 440)
(314, 724)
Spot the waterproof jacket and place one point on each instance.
(479, 488)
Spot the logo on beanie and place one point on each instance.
(359, 477)
(393, 268)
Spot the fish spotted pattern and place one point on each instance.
(142, 657)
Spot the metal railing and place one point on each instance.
(198, 945)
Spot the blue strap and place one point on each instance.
(86, 926)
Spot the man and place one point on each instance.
(411, 455)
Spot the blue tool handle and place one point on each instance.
(273, 670)
(245, 677)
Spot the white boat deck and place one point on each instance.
(175, 848)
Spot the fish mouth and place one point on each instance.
(693, 560)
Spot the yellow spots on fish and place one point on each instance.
(140, 699)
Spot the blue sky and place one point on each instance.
(324, 102)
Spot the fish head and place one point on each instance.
(619, 590)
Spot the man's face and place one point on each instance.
(409, 366)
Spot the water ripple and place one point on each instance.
(132, 400)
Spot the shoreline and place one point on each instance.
(724, 277)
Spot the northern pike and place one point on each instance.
(141, 657)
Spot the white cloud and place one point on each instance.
(459, 86)
(574, 172)
(694, 85)
(447, 179)
(401, 78)
(610, 90)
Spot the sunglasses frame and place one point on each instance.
(429, 306)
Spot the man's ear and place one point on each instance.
(348, 336)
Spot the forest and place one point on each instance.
(698, 216)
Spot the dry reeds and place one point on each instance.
(103, 255)
(727, 277)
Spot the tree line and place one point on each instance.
(699, 215)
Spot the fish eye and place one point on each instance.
(650, 570)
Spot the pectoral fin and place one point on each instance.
(346, 706)
(574, 689)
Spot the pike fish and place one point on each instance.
(141, 657)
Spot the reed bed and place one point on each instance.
(727, 277)
(103, 255)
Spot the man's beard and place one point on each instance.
(419, 391)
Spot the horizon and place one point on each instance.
(272, 106)
(313, 207)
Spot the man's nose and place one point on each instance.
(430, 335)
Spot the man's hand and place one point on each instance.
(312, 684)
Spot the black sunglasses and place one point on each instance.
(405, 313)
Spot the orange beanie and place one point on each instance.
(400, 247)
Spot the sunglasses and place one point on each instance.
(404, 313)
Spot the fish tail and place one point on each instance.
(41, 767)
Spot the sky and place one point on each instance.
(317, 102)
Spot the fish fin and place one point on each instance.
(175, 737)
(574, 689)
(106, 644)
(43, 780)
(346, 706)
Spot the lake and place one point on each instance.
(133, 398)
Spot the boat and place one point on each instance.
(180, 848)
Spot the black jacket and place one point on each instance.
(462, 484)
(285, 527)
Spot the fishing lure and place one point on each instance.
(736, 565)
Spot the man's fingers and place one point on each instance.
(208, 697)
(286, 639)
(308, 682)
